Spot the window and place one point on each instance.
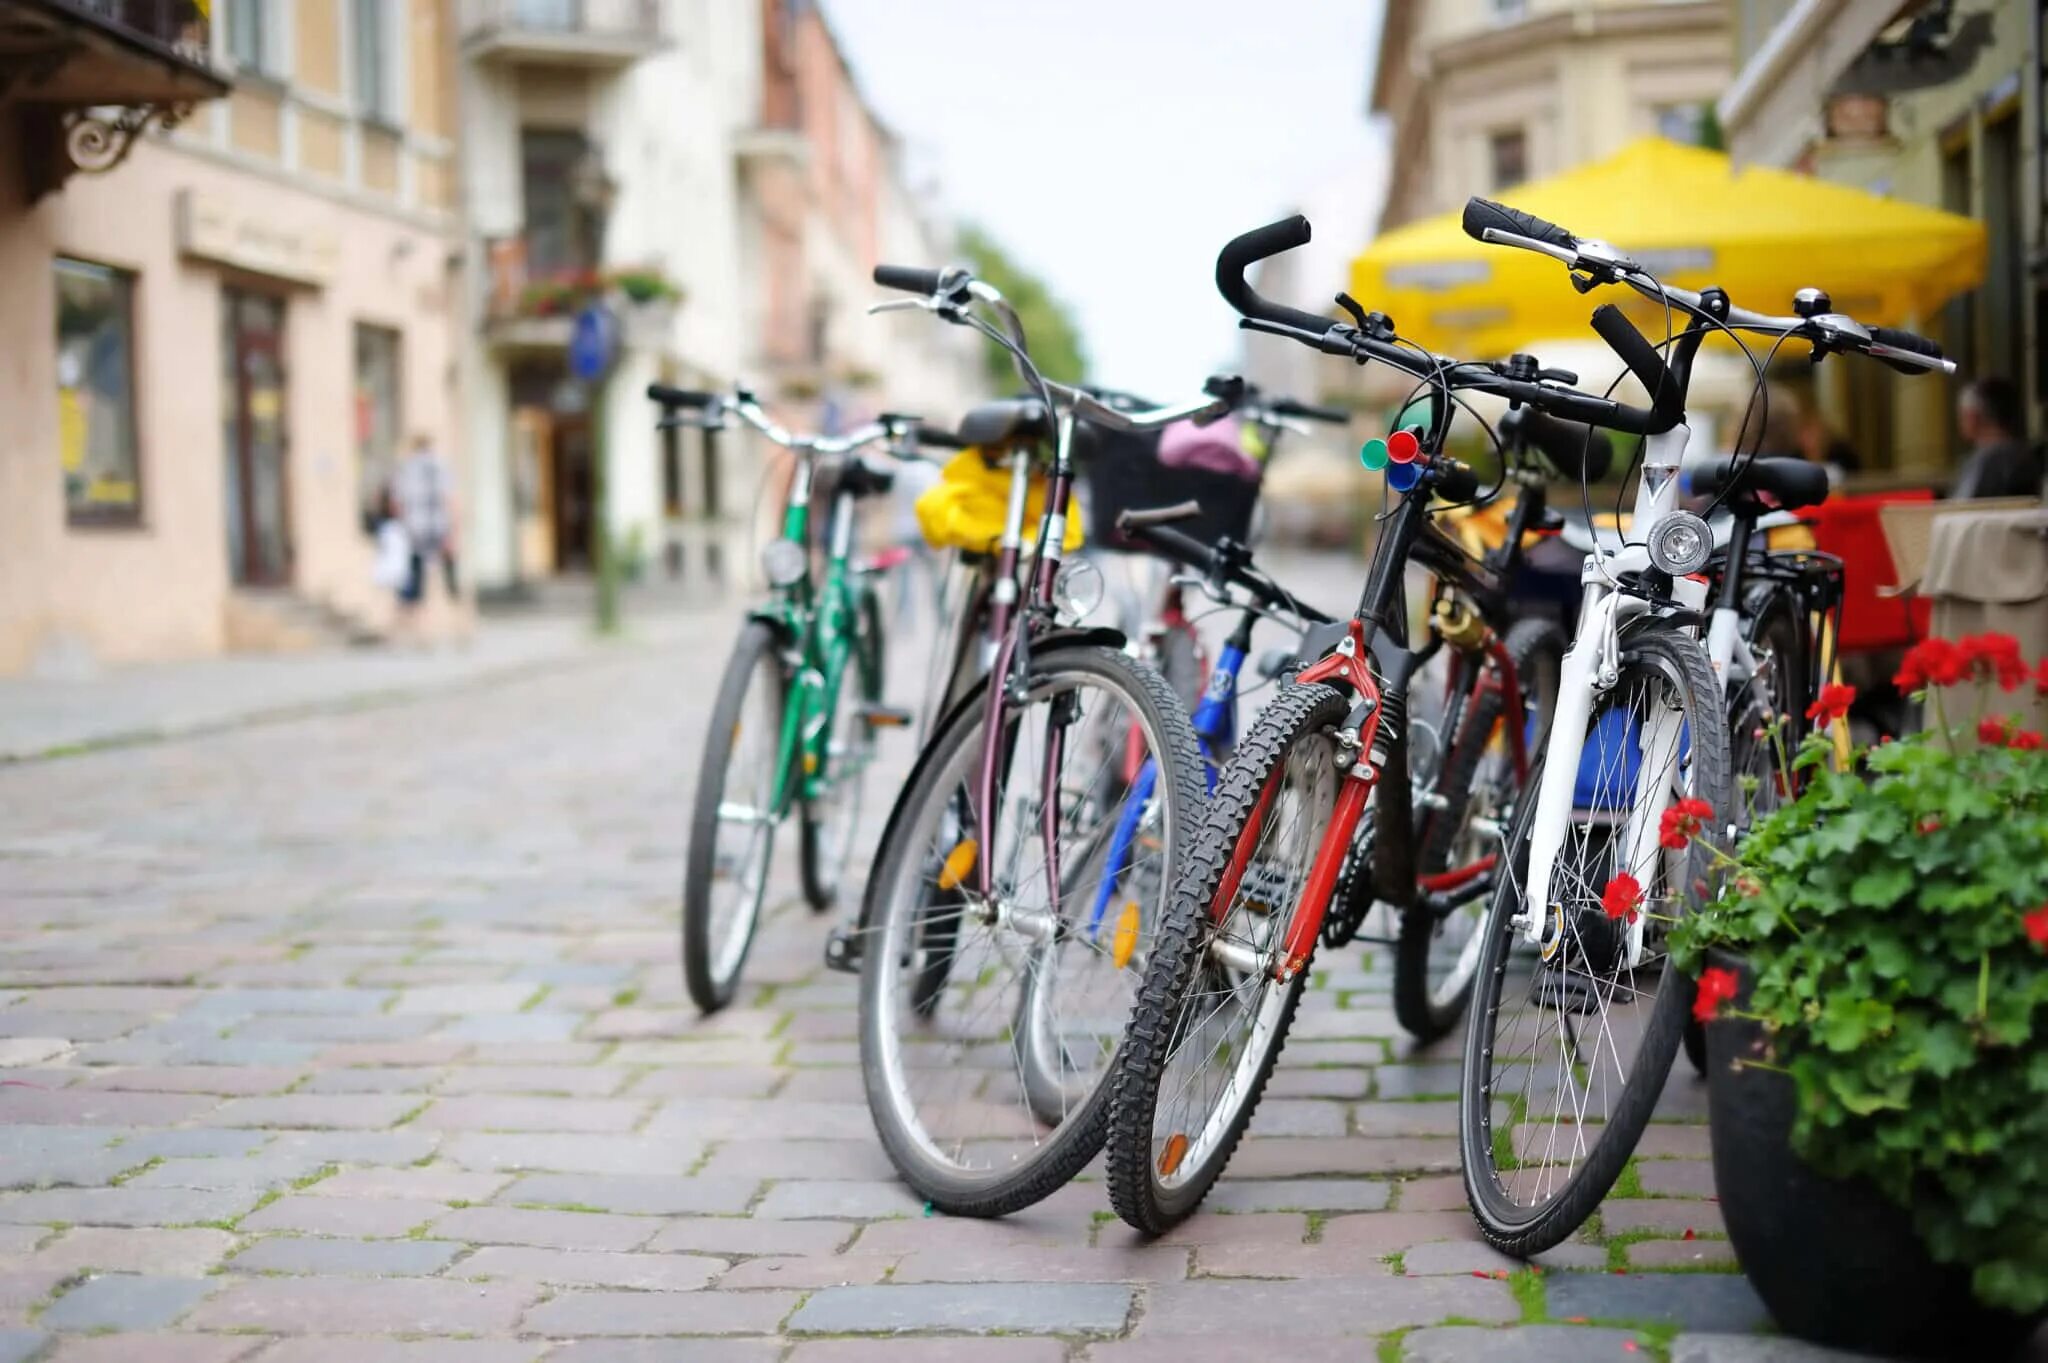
(562, 230)
(250, 39)
(1508, 157)
(370, 48)
(96, 438)
(1508, 11)
(377, 411)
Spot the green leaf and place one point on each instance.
(1881, 886)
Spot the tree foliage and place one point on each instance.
(1049, 325)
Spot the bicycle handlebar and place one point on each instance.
(1154, 526)
(1309, 411)
(909, 278)
(1240, 253)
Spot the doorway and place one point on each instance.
(258, 480)
(573, 509)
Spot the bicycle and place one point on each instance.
(987, 1021)
(1534, 1178)
(780, 736)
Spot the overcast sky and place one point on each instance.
(1113, 145)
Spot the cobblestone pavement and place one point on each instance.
(361, 1037)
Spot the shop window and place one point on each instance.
(96, 434)
(378, 415)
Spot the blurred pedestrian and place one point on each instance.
(1821, 444)
(423, 491)
(2000, 462)
(392, 569)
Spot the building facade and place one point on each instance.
(716, 158)
(1938, 103)
(1480, 95)
(222, 343)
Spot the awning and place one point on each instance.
(1691, 219)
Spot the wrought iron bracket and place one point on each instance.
(64, 142)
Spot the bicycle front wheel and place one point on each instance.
(732, 831)
(989, 1021)
(1569, 1047)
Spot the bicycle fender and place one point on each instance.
(1073, 636)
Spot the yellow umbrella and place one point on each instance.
(1692, 219)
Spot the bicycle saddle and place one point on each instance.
(1009, 421)
(1789, 483)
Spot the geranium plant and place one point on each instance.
(1894, 914)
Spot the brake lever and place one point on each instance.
(900, 304)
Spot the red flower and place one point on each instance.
(2037, 926)
(1930, 823)
(1622, 897)
(1991, 732)
(1717, 986)
(1994, 656)
(1934, 662)
(1683, 821)
(2026, 740)
(1832, 704)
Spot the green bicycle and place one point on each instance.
(780, 740)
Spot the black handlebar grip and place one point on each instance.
(939, 438)
(1239, 253)
(1575, 450)
(1141, 517)
(1455, 482)
(1173, 544)
(1481, 214)
(1667, 399)
(1309, 411)
(908, 278)
(679, 397)
(1904, 340)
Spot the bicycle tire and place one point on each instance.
(1536, 650)
(823, 867)
(710, 980)
(1177, 966)
(1525, 1231)
(899, 894)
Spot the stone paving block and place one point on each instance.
(201, 1143)
(155, 1348)
(1241, 1343)
(374, 1079)
(669, 1350)
(1319, 1082)
(609, 1115)
(1654, 1254)
(1380, 1233)
(89, 999)
(981, 1350)
(258, 1171)
(465, 1000)
(861, 1159)
(1670, 1216)
(56, 1156)
(1665, 1140)
(127, 1206)
(640, 1195)
(238, 1051)
(98, 1107)
(591, 1081)
(1298, 1195)
(372, 1306)
(1430, 1194)
(831, 1270)
(226, 1080)
(233, 1003)
(18, 1346)
(1044, 1264)
(363, 1349)
(574, 1314)
(1299, 1117)
(22, 1291)
(437, 1183)
(1476, 1256)
(163, 1253)
(1430, 1079)
(531, 1052)
(576, 1268)
(126, 1301)
(333, 1030)
(691, 1054)
(1294, 1309)
(1405, 1119)
(367, 1218)
(790, 1119)
(322, 1111)
(1677, 1178)
(1207, 1228)
(573, 1154)
(744, 1235)
(1037, 1308)
(551, 1230)
(43, 1023)
(1692, 1301)
(866, 1201)
(1522, 1344)
(18, 1052)
(412, 1053)
(345, 1258)
(1704, 1348)
(17, 1241)
(824, 1086)
(358, 1147)
(498, 1029)
(1274, 1157)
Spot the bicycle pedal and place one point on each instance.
(885, 717)
(842, 951)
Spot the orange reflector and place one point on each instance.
(1176, 1150)
(887, 719)
(959, 862)
(810, 764)
(1126, 940)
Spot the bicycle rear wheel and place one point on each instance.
(732, 831)
(1567, 1054)
(832, 821)
(1211, 1016)
(989, 1024)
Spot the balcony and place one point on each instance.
(89, 76)
(527, 310)
(760, 147)
(595, 34)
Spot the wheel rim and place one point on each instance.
(1562, 1036)
(745, 827)
(836, 815)
(1230, 1018)
(980, 997)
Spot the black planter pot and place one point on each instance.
(1836, 1261)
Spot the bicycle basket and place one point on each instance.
(964, 509)
(1125, 473)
